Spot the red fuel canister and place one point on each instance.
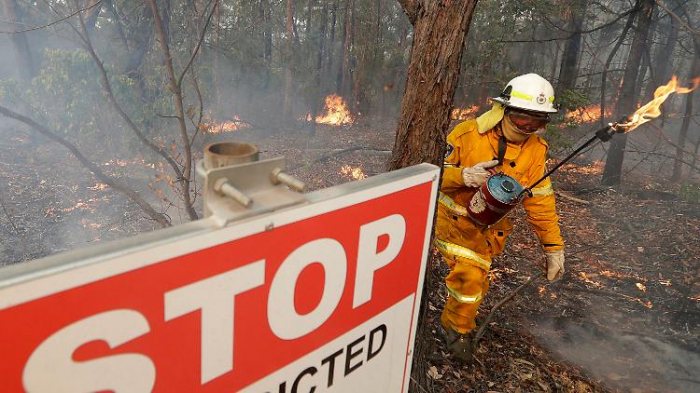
(494, 199)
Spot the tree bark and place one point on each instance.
(331, 40)
(440, 30)
(267, 41)
(611, 56)
(345, 45)
(663, 60)
(683, 134)
(626, 103)
(25, 63)
(288, 51)
(568, 71)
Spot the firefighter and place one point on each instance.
(504, 139)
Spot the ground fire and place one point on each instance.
(336, 112)
(464, 113)
(587, 114)
(133, 257)
(212, 127)
(353, 173)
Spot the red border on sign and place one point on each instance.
(174, 346)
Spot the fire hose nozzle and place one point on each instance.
(223, 187)
(277, 177)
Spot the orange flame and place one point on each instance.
(355, 173)
(587, 114)
(463, 113)
(337, 113)
(98, 187)
(652, 109)
(212, 127)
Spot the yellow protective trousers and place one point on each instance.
(469, 263)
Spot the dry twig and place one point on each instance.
(511, 295)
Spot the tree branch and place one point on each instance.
(176, 90)
(604, 25)
(34, 28)
(678, 18)
(106, 85)
(498, 305)
(91, 166)
(199, 43)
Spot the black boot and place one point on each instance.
(460, 345)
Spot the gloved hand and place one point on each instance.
(555, 264)
(475, 176)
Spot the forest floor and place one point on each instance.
(625, 318)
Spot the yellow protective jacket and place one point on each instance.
(467, 146)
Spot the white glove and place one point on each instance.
(475, 176)
(555, 264)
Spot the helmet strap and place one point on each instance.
(502, 147)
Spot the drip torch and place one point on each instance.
(501, 193)
(604, 134)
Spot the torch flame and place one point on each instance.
(337, 113)
(652, 109)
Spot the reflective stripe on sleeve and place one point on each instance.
(452, 205)
(461, 297)
(542, 191)
(462, 252)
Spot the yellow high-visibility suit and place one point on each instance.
(468, 247)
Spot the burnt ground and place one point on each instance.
(625, 318)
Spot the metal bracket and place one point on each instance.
(239, 191)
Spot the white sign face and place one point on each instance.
(321, 297)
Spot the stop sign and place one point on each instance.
(322, 296)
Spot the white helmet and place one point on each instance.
(530, 92)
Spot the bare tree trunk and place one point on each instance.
(663, 61)
(568, 73)
(319, 64)
(683, 134)
(175, 87)
(331, 41)
(611, 56)
(288, 51)
(267, 41)
(627, 100)
(345, 45)
(309, 8)
(440, 30)
(25, 64)
(555, 60)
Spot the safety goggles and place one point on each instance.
(527, 122)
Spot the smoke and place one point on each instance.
(634, 361)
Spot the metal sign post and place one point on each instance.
(319, 292)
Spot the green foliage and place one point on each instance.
(690, 192)
(573, 99)
(68, 97)
(556, 137)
